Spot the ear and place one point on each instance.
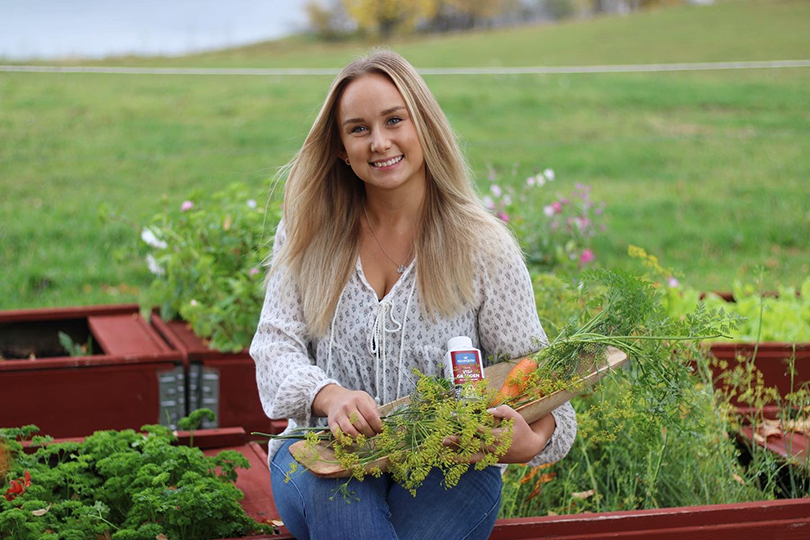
(342, 154)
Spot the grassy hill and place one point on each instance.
(730, 30)
(708, 170)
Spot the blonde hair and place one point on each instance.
(323, 202)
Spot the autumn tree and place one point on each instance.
(385, 17)
(327, 18)
(473, 12)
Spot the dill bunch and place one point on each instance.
(412, 439)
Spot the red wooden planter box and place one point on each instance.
(785, 519)
(133, 378)
(222, 382)
(771, 520)
(771, 359)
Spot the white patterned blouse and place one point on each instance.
(373, 345)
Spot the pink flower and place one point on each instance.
(496, 190)
(548, 210)
(549, 174)
(564, 201)
(488, 202)
(530, 181)
(253, 272)
(187, 205)
(586, 257)
(504, 217)
(673, 282)
(557, 207)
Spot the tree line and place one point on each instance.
(340, 19)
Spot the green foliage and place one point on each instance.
(626, 459)
(126, 484)
(207, 258)
(782, 318)
(75, 349)
(194, 420)
(624, 310)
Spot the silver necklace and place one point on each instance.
(400, 267)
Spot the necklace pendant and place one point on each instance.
(400, 268)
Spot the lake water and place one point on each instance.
(99, 28)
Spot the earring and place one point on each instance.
(347, 162)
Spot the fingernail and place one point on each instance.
(491, 410)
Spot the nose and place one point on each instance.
(380, 142)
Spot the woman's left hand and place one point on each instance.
(527, 440)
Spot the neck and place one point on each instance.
(395, 209)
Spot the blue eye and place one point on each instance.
(356, 129)
(398, 120)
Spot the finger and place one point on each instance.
(371, 415)
(450, 440)
(346, 427)
(475, 458)
(503, 411)
(361, 425)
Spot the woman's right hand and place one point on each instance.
(353, 411)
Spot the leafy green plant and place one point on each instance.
(123, 485)
(193, 421)
(626, 459)
(206, 256)
(782, 318)
(75, 349)
(763, 316)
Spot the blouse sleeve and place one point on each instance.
(508, 325)
(287, 376)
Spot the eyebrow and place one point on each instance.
(383, 113)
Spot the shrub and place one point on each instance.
(206, 256)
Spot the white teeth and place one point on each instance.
(388, 163)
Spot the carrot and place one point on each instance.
(516, 382)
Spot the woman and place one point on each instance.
(383, 254)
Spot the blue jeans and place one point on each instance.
(385, 510)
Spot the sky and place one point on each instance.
(98, 28)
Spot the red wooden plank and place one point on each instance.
(794, 513)
(797, 529)
(794, 447)
(49, 314)
(67, 362)
(73, 402)
(214, 438)
(125, 334)
(771, 360)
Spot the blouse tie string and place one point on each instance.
(402, 344)
(377, 344)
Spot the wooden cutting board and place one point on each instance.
(323, 463)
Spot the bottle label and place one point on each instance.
(466, 367)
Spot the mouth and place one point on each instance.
(388, 163)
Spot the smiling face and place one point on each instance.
(378, 135)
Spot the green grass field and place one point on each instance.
(707, 170)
